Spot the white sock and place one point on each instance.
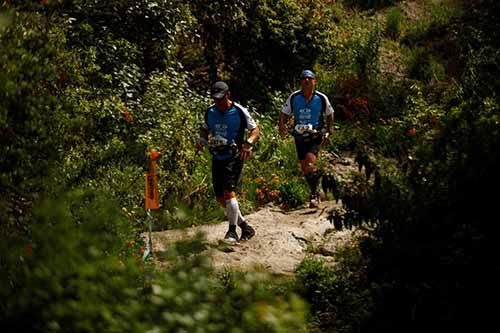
(241, 219)
(232, 210)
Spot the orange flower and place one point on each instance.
(29, 250)
(128, 116)
(411, 132)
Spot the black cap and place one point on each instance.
(219, 89)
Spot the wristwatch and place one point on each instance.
(248, 142)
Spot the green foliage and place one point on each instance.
(78, 273)
(35, 113)
(293, 194)
(273, 174)
(88, 87)
(423, 67)
(338, 298)
(393, 23)
(371, 4)
(348, 66)
(190, 297)
(432, 206)
(347, 137)
(69, 275)
(262, 44)
(127, 32)
(435, 18)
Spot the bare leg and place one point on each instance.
(309, 170)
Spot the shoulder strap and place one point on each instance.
(323, 111)
(206, 116)
(292, 97)
(243, 120)
(243, 125)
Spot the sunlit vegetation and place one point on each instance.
(87, 88)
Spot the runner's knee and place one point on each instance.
(222, 202)
(309, 168)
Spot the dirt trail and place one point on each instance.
(283, 238)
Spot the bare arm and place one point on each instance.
(203, 139)
(330, 123)
(246, 149)
(282, 124)
(253, 136)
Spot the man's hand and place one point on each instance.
(283, 131)
(326, 139)
(246, 152)
(200, 144)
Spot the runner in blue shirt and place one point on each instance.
(308, 107)
(224, 132)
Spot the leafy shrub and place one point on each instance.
(393, 23)
(280, 39)
(188, 298)
(369, 4)
(339, 300)
(36, 112)
(68, 275)
(81, 272)
(293, 194)
(423, 66)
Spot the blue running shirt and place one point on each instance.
(230, 124)
(305, 112)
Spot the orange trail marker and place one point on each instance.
(152, 198)
(151, 193)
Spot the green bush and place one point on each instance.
(69, 275)
(423, 66)
(260, 44)
(81, 271)
(191, 299)
(370, 4)
(339, 298)
(293, 194)
(36, 113)
(393, 23)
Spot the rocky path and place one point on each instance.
(282, 240)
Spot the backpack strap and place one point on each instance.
(322, 120)
(243, 125)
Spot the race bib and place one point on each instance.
(302, 128)
(217, 141)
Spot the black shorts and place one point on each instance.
(307, 145)
(227, 175)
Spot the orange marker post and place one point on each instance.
(151, 194)
(152, 198)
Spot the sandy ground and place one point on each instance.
(283, 238)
